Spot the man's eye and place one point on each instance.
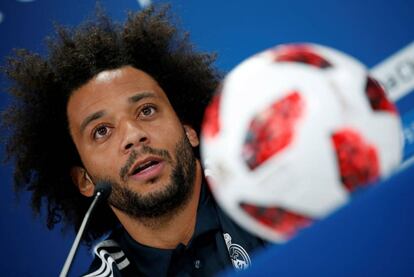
(100, 132)
(147, 111)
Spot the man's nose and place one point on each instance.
(133, 135)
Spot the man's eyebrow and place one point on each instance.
(133, 99)
(139, 96)
(91, 118)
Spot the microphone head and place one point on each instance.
(104, 188)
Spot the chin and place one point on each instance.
(151, 186)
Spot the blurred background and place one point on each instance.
(371, 31)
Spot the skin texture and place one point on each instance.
(112, 119)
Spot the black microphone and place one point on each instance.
(102, 192)
(104, 189)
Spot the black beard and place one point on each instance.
(168, 201)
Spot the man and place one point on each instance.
(123, 104)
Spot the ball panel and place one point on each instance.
(300, 53)
(211, 125)
(272, 130)
(357, 159)
(279, 220)
(377, 97)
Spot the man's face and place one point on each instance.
(127, 132)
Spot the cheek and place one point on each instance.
(170, 132)
(100, 163)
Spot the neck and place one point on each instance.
(168, 231)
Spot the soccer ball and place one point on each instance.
(291, 133)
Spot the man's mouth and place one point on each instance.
(144, 166)
(147, 168)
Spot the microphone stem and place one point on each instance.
(75, 244)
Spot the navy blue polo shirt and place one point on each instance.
(198, 258)
(217, 243)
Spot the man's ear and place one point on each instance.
(82, 180)
(191, 135)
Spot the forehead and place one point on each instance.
(110, 87)
(122, 80)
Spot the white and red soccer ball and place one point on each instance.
(291, 133)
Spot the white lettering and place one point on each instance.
(409, 133)
(396, 73)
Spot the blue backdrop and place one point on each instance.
(369, 30)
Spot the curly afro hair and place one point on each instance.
(39, 143)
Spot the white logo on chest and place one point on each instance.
(238, 255)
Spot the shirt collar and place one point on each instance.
(206, 213)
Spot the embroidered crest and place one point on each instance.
(112, 258)
(238, 255)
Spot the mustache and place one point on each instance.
(145, 150)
